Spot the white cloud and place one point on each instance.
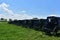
(3, 5)
(52, 15)
(4, 8)
(10, 14)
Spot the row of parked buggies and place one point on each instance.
(50, 25)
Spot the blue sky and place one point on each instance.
(34, 7)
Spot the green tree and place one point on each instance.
(2, 18)
(10, 19)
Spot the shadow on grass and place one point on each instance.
(46, 33)
(39, 29)
(57, 35)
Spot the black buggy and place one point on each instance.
(53, 25)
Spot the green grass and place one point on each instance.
(13, 32)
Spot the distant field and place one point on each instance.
(13, 32)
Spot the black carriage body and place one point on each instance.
(53, 23)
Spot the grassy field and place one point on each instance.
(13, 32)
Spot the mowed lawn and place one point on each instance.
(14, 32)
